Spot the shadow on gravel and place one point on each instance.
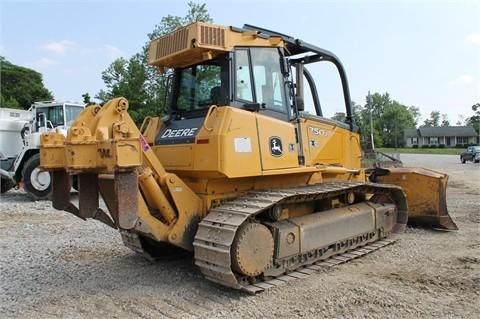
(128, 273)
(426, 231)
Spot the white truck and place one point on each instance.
(20, 139)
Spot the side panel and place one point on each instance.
(278, 147)
(238, 144)
(10, 138)
(319, 230)
(323, 142)
(225, 144)
(307, 233)
(179, 156)
(328, 142)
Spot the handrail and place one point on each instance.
(210, 110)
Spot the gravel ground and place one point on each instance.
(53, 265)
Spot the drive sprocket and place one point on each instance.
(252, 249)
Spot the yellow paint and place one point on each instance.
(202, 41)
(234, 151)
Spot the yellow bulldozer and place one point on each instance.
(238, 172)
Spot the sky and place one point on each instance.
(423, 53)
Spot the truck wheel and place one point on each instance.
(36, 182)
(463, 160)
(5, 185)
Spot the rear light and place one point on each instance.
(203, 141)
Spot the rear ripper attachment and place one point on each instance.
(108, 156)
(94, 148)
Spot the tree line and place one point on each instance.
(142, 84)
(388, 119)
(146, 90)
(21, 86)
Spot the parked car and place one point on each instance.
(472, 153)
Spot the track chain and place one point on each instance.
(216, 232)
(317, 266)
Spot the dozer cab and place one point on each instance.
(238, 172)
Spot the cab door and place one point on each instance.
(260, 87)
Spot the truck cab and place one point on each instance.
(43, 116)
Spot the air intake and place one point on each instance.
(212, 36)
(191, 44)
(170, 44)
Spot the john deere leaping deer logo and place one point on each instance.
(276, 148)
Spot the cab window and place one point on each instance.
(258, 78)
(52, 114)
(198, 85)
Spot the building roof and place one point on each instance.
(410, 132)
(448, 131)
(441, 131)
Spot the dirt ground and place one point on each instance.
(54, 265)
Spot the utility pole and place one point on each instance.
(395, 130)
(370, 106)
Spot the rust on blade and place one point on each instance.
(108, 195)
(61, 186)
(102, 216)
(60, 189)
(88, 194)
(89, 198)
(126, 198)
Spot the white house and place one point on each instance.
(450, 136)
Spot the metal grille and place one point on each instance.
(171, 44)
(212, 36)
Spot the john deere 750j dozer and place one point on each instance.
(238, 172)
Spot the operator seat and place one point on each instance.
(215, 95)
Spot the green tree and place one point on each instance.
(169, 23)
(369, 118)
(21, 86)
(87, 99)
(127, 78)
(433, 120)
(342, 116)
(339, 116)
(461, 120)
(445, 121)
(356, 113)
(389, 119)
(394, 120)
(157, 82)
(474, 120)
(415, 112)
(142, 84)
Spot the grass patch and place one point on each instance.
(444, 151)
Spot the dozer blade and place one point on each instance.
(426, 195)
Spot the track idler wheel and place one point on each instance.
(252, 249)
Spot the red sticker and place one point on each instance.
(144, 143)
